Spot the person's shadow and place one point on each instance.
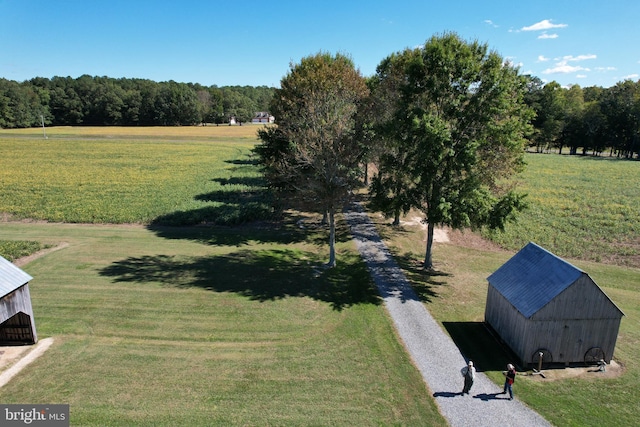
(491, 396)
(446, 394)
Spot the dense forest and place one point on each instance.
(574, 120)
(591, 120)
(104, 101)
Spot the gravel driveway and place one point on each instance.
(432, 350)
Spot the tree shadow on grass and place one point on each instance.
(477, 343)
(241, 215)
(260, 275)
(253, 161)
(425, 283)
(231, 236)
(253, 182)
(240, 200)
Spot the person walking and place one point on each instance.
(469, 374)
(510, 377)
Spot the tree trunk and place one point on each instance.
(428, 262)
(332, 239)
(366, 174)
(396, 218)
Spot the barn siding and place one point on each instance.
(579, 318)
(582, 300)
(569, 340)
(16, 301)
(507, 321)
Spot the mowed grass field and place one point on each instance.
(225, 325)
(234, 324)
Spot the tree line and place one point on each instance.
(104, 101)
(591, 120)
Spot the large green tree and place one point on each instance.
(462, 114)
(319, 155)
(392, 188)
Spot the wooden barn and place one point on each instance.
(17, 325)
(543, 307)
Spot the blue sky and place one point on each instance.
(253, 42)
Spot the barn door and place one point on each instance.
(17, 330)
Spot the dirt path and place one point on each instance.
(24, 356)
(27, 259)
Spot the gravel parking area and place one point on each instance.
(432, 350)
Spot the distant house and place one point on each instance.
(17, 325)
(263, 117)
(543, 307)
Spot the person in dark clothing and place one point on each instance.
(510, 377)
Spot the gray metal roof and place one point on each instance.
(532, 278)
(11, 277)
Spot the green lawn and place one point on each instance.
(151, 330)
(224, 325)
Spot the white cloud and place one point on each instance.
(581, 76)
(541, 58)
(548, 36)
(491, 23)
(631, 77)
(563, 67)
(543, 25)
(606, 68)
(579, 57)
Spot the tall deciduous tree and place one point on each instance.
(315, 109)
(393, 189)
(462, 113)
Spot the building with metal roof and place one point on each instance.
(17, 325)
(545, 308)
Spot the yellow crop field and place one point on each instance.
(130, 175)
(247, 131)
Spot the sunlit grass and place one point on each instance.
(579, 207)
(208, 326)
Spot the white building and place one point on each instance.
(263, 117)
